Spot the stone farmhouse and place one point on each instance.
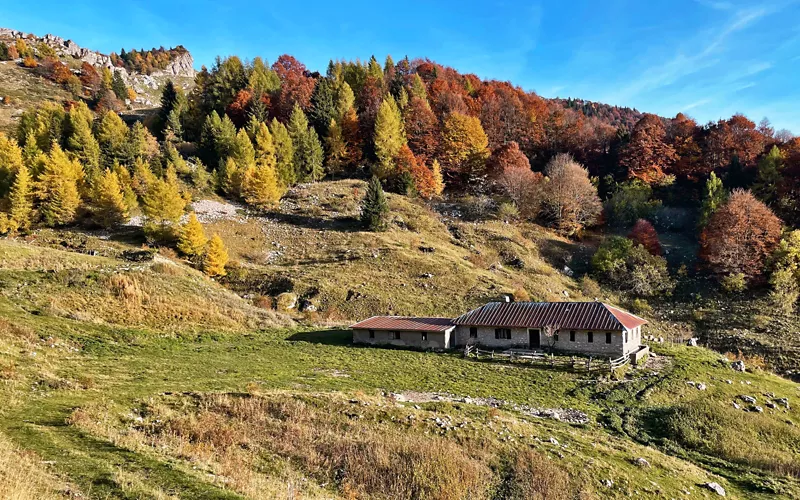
(591, 328)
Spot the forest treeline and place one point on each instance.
(250, 131)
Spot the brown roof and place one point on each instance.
(565, 315)
(405, 323)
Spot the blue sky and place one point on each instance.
(706, 58)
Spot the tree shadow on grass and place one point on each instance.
(326, 337)
(345, 224)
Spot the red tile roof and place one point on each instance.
(405, 323)
(565, 315)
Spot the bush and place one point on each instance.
(590, 287)
(734, 283)
(641, 306)
(507, 211)
(631, 268)
(630, 202)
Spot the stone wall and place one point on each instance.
(435, 340)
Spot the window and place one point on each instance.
(424, 336)
(473, 332)
(502, 333)
(555, 336)
(394, 335)
(623, 336)
(608, 337)
(590, 336)
(572, 335)
(372, 334)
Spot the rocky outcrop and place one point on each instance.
(183, 65)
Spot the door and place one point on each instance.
(533, 338)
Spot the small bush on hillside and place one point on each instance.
(734, 283)
(631, 268)
(641, 306)
(590, 287)
(521, 295)
(374, 208)
(507, 211)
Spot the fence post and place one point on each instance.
(492, 354)
(589, 364)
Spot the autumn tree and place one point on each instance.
(648, 155)
(785, 279)
(569, 199)
(683, 135)
(112, 135)
(57, 188)
(162, 206)
(20, 201)
(389, 137)
(108, 202)
(216, 257)
(643, 233)
(260, 185)
(11, 160)
(740, 236)
(465, 148)
(296, 86)
(335, 149)
(374, 207)
(192, 239)
(422, 129)
(308, 154)
(80, 141)
(629, 267)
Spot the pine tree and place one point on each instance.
(323, 105)
(715, 196)
(389, 137)
(216, 257)
(284, 153)
(374, 207)
(57, 188)
(118, 86)
(262, 79)
(162, 206)
(108, 201)
(192, 239)
(308, 155)
(21, 205)
(418, 88)
(80, 140)
(770, 175)
(217, 139)
(243, 156)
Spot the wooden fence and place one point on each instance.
(575, 363)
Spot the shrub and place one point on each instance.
(590, 287)
(631, 201)
(521, 295)
(643, 233)
(569, 199)
(507, 211)
(734, 283)
(641, 306)
(631, 268)
(374, 208)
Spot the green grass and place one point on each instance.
(125, 368)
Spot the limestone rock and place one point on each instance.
(738, 366)
(716, 488)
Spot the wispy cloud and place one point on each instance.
(695, 104)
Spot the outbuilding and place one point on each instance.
(424, 333)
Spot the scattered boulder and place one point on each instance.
(286, 301)
(701, 386)
(426, 275)
(692, 342)
(554, 441)
(716, 488)
(757, 409)
(641, 462)
(427, 249)
(607, 483)
(747, 399)
(738, 366)
(783, 402)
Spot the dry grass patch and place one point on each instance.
(23, 477)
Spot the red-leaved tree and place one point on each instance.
(643, 233)
(740, 236)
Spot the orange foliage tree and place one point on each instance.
(648, 155)
(740, 237)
